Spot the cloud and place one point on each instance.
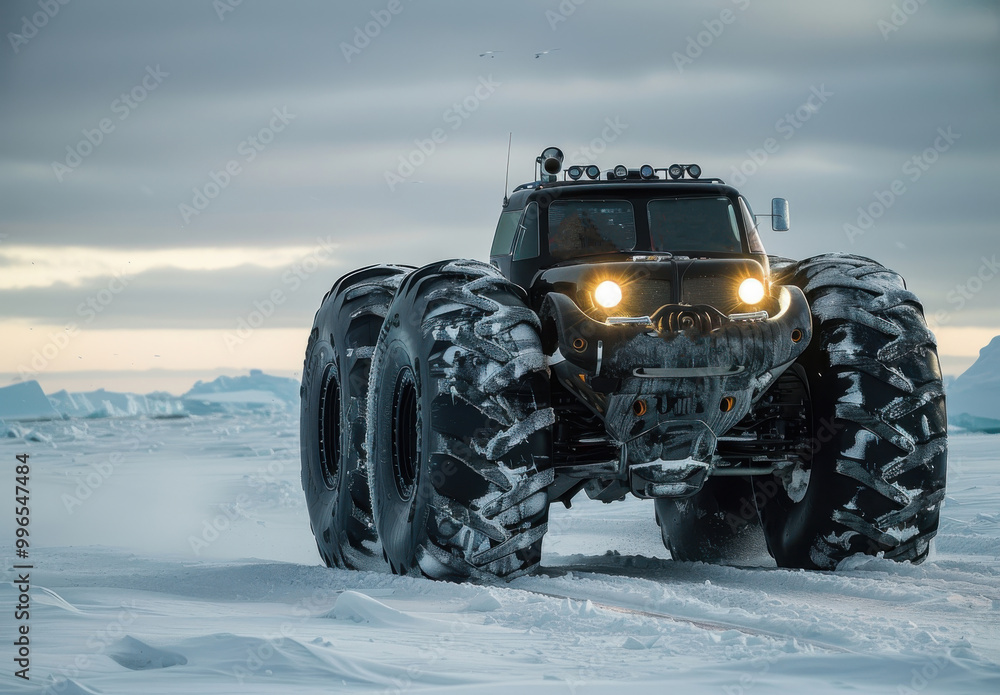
(324, 175)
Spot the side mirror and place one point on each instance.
(779, 215)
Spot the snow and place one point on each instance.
(124, 602)
(796, 489)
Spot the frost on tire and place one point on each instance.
(877, 469)
(333, 399)
(458, 426)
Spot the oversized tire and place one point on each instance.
(718, 524)
(334, 395)
(872, 478)
(459, 426)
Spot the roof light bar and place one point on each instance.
(550, 164)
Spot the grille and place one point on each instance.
(643, 297)
(718, 292)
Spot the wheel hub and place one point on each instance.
(330, 428)
(405, 434)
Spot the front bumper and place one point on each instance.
(658, 392)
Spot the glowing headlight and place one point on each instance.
(608, 294)
(751, 291)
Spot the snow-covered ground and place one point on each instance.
(174, 556)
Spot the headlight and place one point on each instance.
(751, 291)
(608, 294)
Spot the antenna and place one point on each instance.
(506, 176)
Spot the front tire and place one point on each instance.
(875, 468)
(458, 428)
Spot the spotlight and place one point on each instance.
(646, 171)
(621, 171)
(593, 172)
(694, 170)
(551, 160)
(575, 172)
(676, 171)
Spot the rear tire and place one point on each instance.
(334, 394)
(876, 474)
(459, 426)
(718, 524)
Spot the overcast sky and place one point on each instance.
(167, 169)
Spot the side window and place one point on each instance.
(527, 244)
(504, 236)
(753, 238)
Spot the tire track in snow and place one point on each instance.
(712, 625)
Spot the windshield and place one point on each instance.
(589, 227)
(693, 224)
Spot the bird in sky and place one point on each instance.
(489, 54)
(541, 53)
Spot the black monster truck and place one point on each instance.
(630, 336)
